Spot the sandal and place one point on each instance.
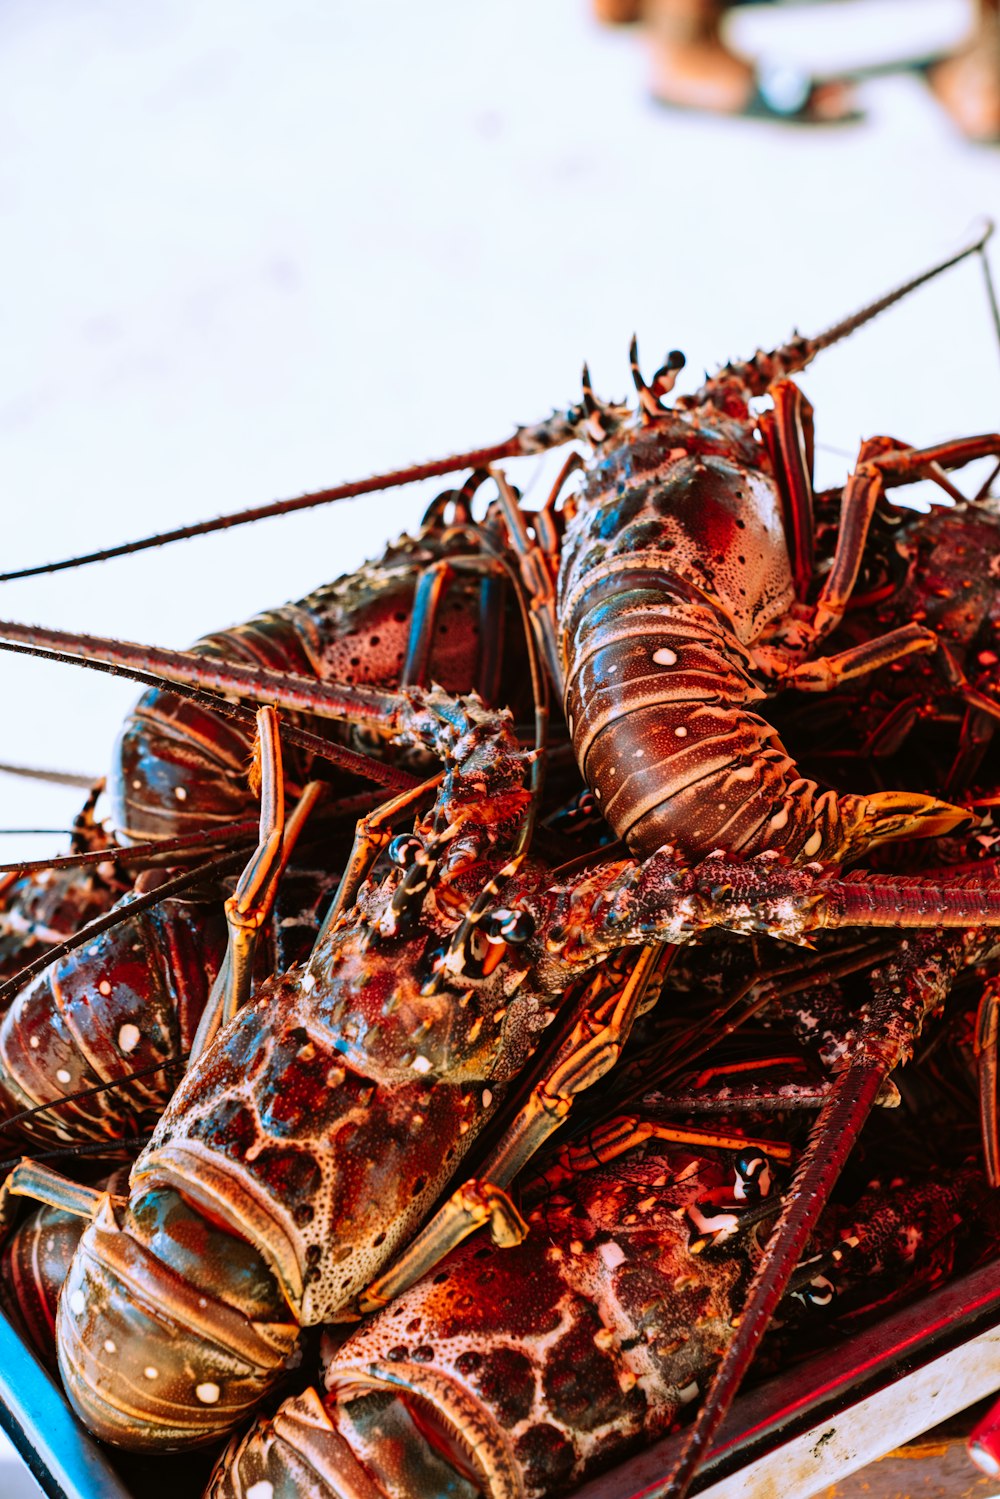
(779, 93)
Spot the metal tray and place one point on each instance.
(791, 1436)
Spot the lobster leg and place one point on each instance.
(592, 1048)
(987, 1022)
(909, 988)
(825, 673)
(883, 463)
(475, 1203)
(370, 837)
(250, 905)
(788, 432)
(32, 1179)
(538, 571)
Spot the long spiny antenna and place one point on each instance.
(167, 1065)
(54, 777)
(909, 989)
(850, 324)
(763, 368)
(135, 855)
(512, 447)
(392, 777)
(104, 1147)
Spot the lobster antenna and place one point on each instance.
(906, 992)
(56, 777)
(103, 1147)
(757, 373)
(522, 442)
(32, 833)
(389, 776)
(991, 294)
(830, 1141)
(167, 1065)
(136, 854)
(813, 346)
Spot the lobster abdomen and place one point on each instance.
(676, 564)
(180, 767)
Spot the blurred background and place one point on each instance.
(254, 249)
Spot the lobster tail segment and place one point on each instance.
(886, 816)
(156, 1354)
(308, 1448)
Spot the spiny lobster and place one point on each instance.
(439, 604)
(516, 1374)
(684, 598)
(706, 432)
(327, 1116)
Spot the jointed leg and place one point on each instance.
(884, 463)
(589, 1052)
(372, 834)
(32, 1179)
(987, 1025)
(250, 905)
(788, 433)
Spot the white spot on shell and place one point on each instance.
(129, 1037)
(780, 819)
(421, 1064)
(813, 845)
(487, 1098)
(308, 983)
(104, 987)
(136, 785)
(34, 1043)
(690, 1392)
(150, 1372)
(665, 657)
(62, 1076)
(612, 1254)
(681, 731)
(78, 1303)
(262, 1490)
(110, 1346)
(207, 1393)
(181, 793)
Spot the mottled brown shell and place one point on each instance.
(127, 1000)
(180, 767)
(597, 1329)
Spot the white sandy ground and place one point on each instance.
(252, 249)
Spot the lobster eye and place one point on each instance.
(511, 926)
(819, 1292)
(403, 850)
(753, 1175)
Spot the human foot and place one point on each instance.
(693, 68)
(968, 85)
